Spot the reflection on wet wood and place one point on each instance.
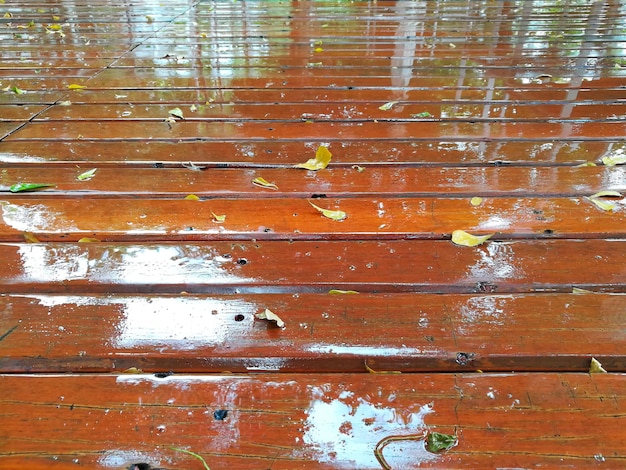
(424, 105)
(301, 421)
(323, 332)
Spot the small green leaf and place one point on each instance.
(87, 175)
(17, 91)
(177, 112)
(437, 442)
(424, 114)
(24, 187)
(613, 160)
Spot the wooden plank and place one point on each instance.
(323, 333)
(339, 180)
(306, 131)
(314, 266)
(339, 113)
(289, 151)
(70, 219)
(19, 113)
(302, 421)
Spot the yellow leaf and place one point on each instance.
(87, 175)
(318, 49)
(476, 201)
(149, 19)
(387, 106)
(341, 292)
(30, 238)
(595, 367)
(321, 160)
(56, 18)
(462, 238)
(88, 240)
(372, 371)
(132, 370)
(329, 214)
(606, 194)
(218, 218)
(270, 316)
(585, 164)
(55, 27)
(578, 290)
(358, 168)
(263, 183)
(74, 86)
(602, 204)
(191, 197)
(64, 103)
(613, 160)
(8, 14)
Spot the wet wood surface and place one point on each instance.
(503, 118)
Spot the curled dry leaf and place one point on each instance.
(270, 316)
(595, 367)
(321, 160)
(330, 214)
(218, 218)
(388, 106)
(263, 183)
(87, 175)
(462, 238)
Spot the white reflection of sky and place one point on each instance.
(344, 431)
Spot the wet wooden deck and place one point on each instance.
(128, 328)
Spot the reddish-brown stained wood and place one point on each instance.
(324, 332)
(295, 218)
(304, 131)
(314, 266)
(303, 421)
(338, 180)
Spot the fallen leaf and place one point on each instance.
(270, 316)
(17, 91)
(358, 168)
(87, 175)
(341, 292)
(193, 454)
(170, 120)
(88, 240)
(595, 367)
(132, 370)
(193, 166)
(578, 290)
(24, 187)
(462, 238)
(64, 103)
(150, 19)
(74, 86)
(263, 183)
(56, 18)
(330, 214)
(613, 160)
(321, 160)
(218, 218)
(30, 238)
(602, 204)
(372, 371)
(437, 442)
(476, 201)
(606, 194)
(177, 112)
(191, 197)
(193, 108)
(387, 106)
(424, 114)
(318, 49)
(585, 164)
